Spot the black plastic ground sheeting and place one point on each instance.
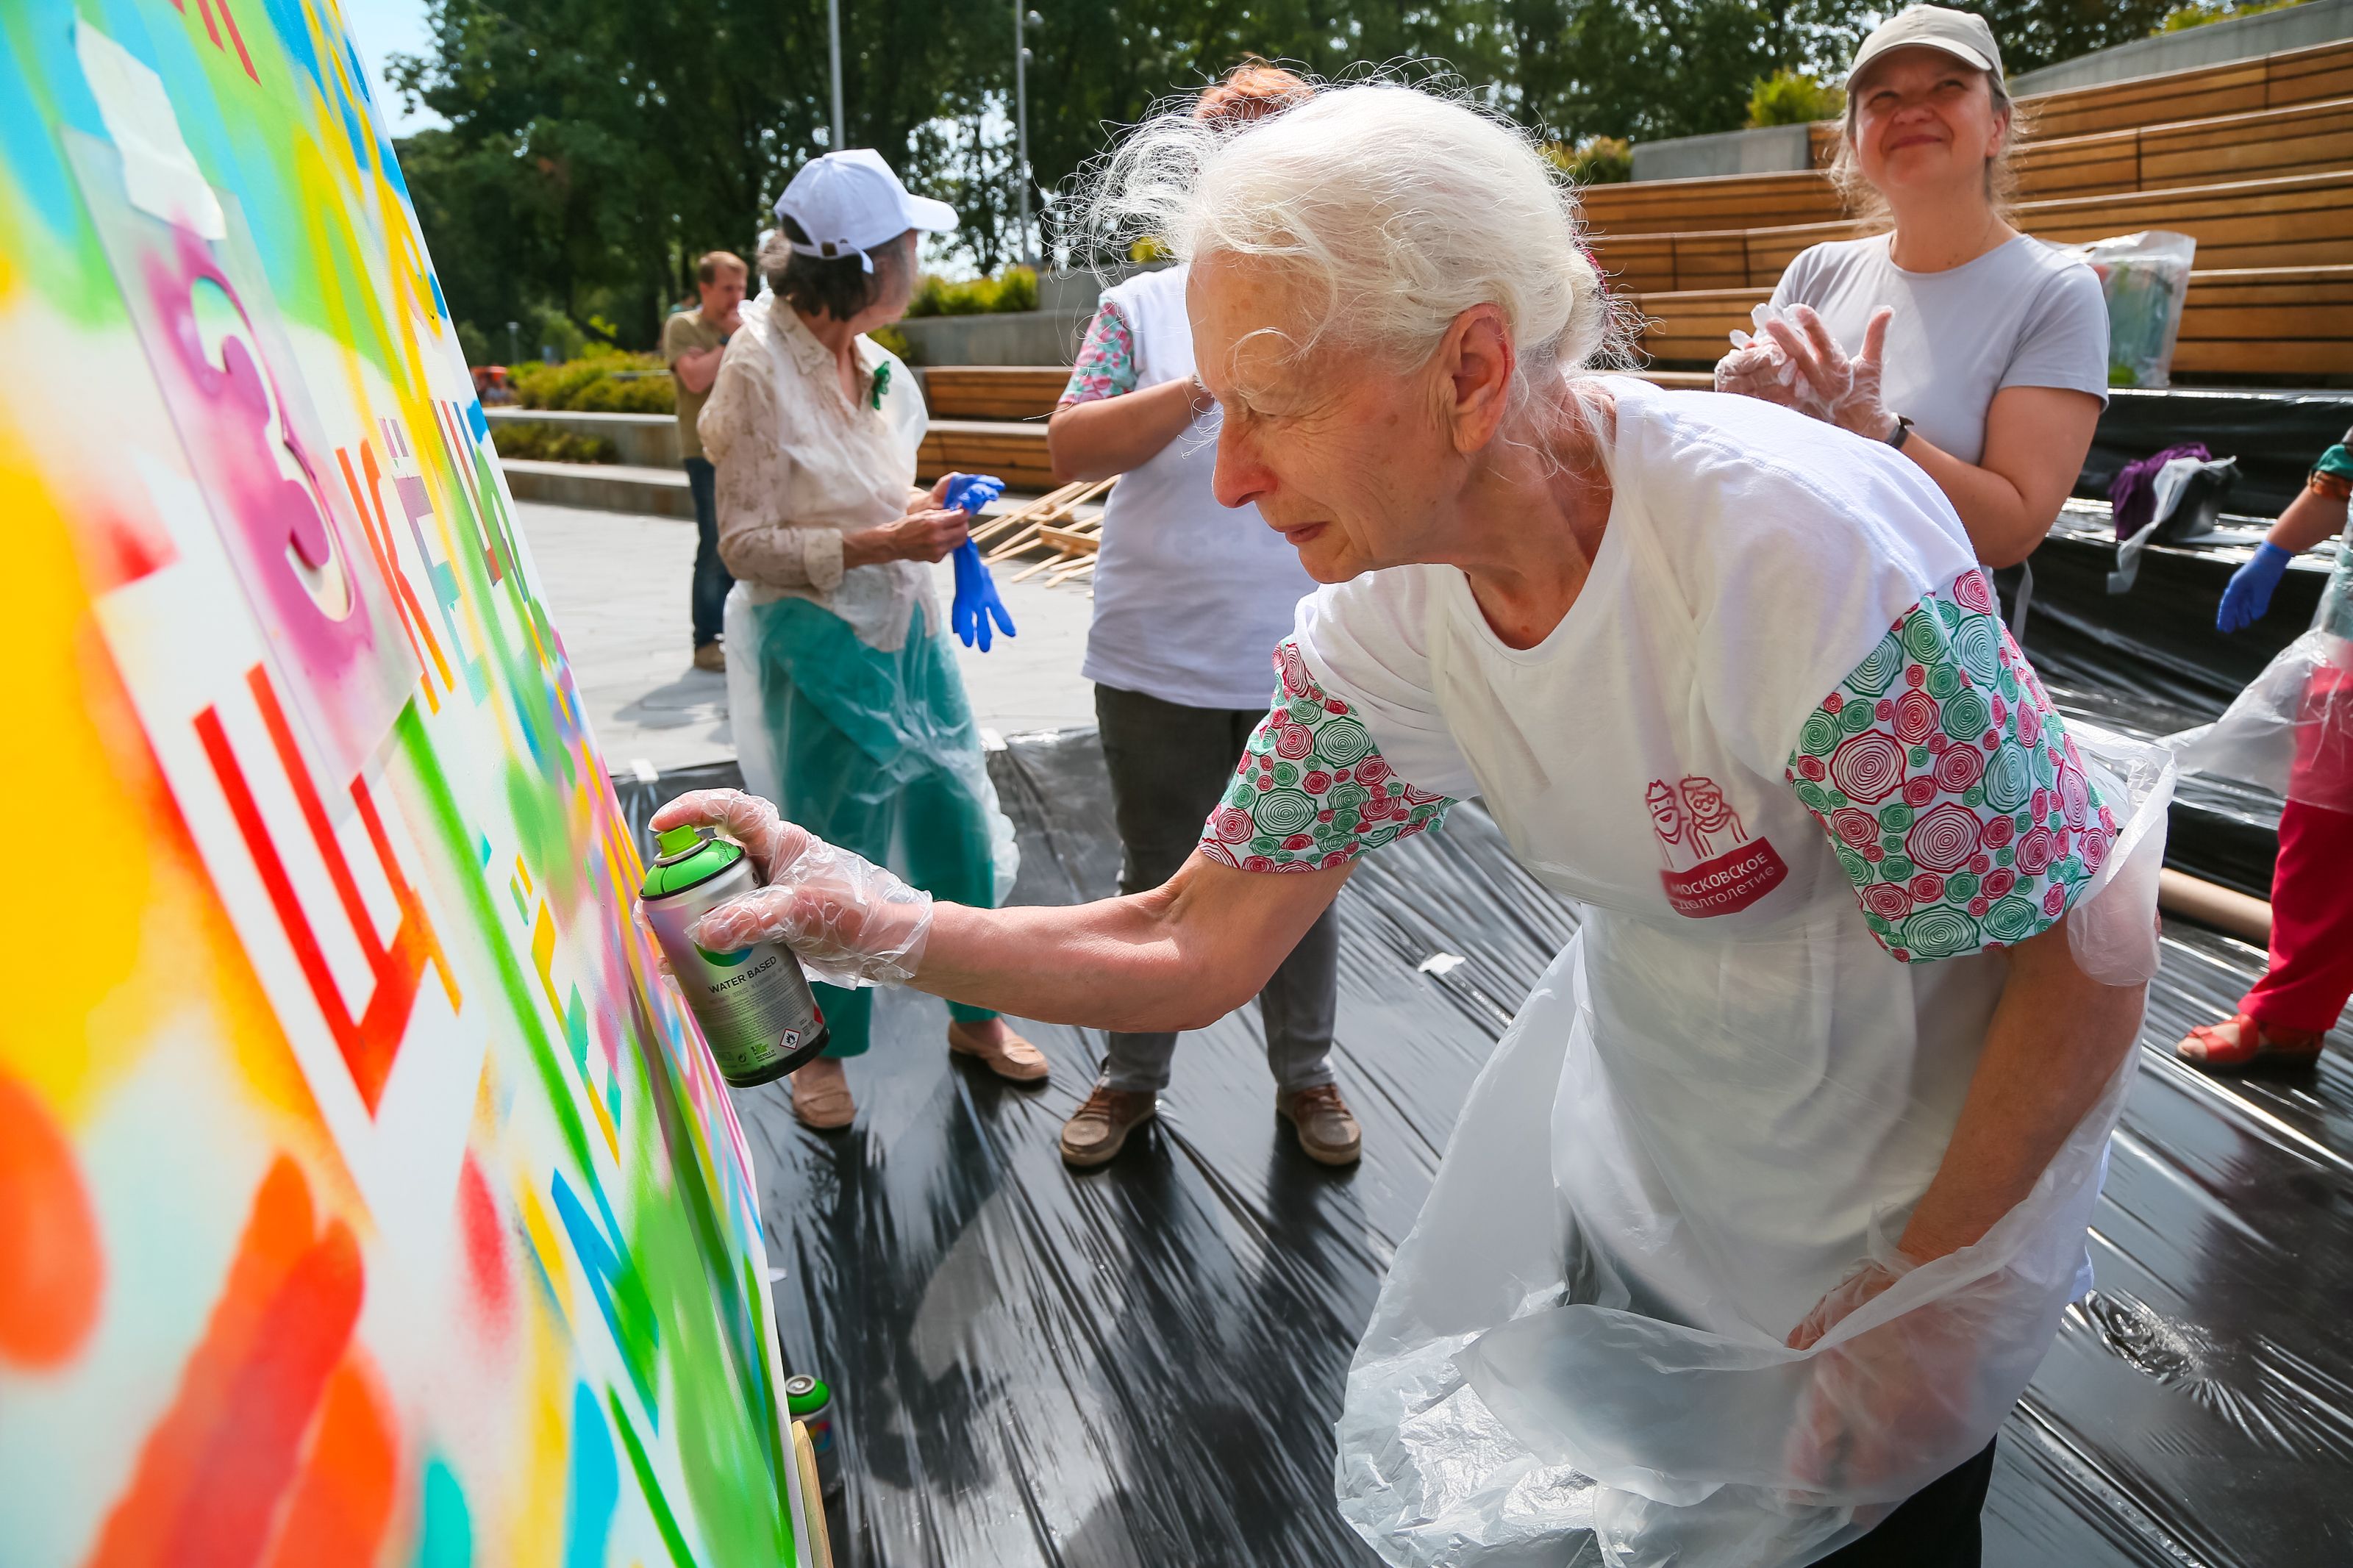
(2275, 435)
(1141, 1366)
(2163, 628)
(2149, 663)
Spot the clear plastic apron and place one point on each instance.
(1688, 1135)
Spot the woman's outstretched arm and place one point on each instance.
(1176, 957)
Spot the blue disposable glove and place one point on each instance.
(2249, 593)
(975, 599)
(972, 492)
(976, 591)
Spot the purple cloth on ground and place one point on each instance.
(2132, 495)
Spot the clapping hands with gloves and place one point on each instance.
(977, 604)
(1793, 360)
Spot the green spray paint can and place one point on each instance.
(811, 1403)
(754, 1005)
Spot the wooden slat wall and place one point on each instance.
(1731, 201)
(2294, 78)
(2269, 143)
(1014, 453)
(994, 392)
(2264, 322)
(2305, 220)
(2270, 81)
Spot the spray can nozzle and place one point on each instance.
(683, 839)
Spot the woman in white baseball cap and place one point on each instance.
(845, 698)
(1979, 352)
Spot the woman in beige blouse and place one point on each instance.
(846, 703)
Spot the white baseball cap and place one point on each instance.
(1964, 35)
(848, 202)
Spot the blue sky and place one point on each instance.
(382, 28)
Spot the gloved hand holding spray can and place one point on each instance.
(754, 1004)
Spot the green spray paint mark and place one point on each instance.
(725, 1425)
(491, 938)
(446, 1540)
(650, 1484)
(618, 1283)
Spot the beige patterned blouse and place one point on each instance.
(798, 467)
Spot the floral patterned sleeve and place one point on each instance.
(1948, 786)
(1106, 363)
(1311, 791)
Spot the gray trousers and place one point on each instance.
(1169, 765)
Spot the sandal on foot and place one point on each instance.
(2239, 1041)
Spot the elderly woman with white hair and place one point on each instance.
(1755, 1225)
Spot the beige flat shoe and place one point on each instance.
(1008, 1056)
(821, 1096)
(710, 656)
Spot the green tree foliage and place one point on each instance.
(2198, 12)
(1792, 98)
(1596, 161)
(595, 148)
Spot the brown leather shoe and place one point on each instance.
(1326, 1130)
(1098, 1130)
(710, 656)
(821, 1096)
(1008, 1056)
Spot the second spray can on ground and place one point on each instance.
(754, 1005)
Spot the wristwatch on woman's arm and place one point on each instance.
(1902, 433)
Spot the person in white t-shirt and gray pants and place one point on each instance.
(1979, 352)
(1190, 600)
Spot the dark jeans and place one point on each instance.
(1169, 765)
(1935, 1526)
(712, 580)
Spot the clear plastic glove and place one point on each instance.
(848, 920)
(1862, 1283)
(1756, 367)
(2249, 592)
(1830, 385)
(1876, 1397)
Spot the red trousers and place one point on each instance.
(2311, 972)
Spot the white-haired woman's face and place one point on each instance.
(1348, 458)
(1923, 120)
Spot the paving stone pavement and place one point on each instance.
(615, 586)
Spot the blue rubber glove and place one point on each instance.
(977, 602)
(973, 491)
(2249, 593)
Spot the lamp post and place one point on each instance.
(1021, 123)
(833, 55)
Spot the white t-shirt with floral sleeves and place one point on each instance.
(1785, 754)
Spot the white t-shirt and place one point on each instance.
(1784, 752)
(1190, 596)
(2023, 314)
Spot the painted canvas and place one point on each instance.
(366, 1197)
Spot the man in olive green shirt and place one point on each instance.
(691, 342)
